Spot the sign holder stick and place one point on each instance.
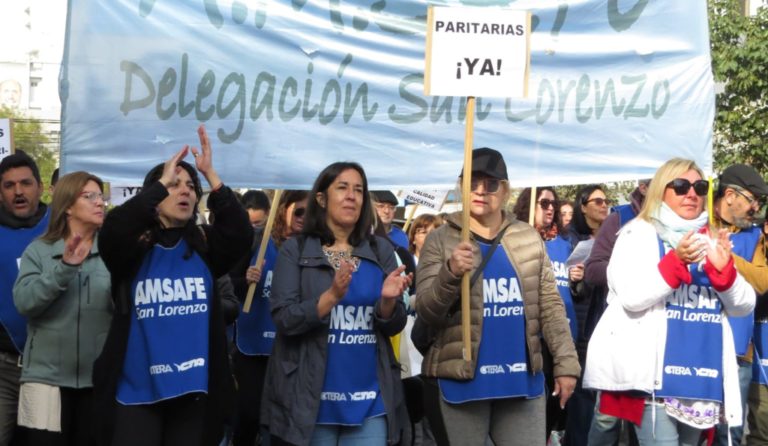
(466, 179)
(263, 247)
(532, 208)
(409, 219)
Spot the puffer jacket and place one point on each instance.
(438, 289)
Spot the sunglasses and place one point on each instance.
(491, 185)
(600, 201)
(681, 186)
(299, 212)
(546, 203)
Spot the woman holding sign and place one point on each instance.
(163, 377)
(663, 351)
(254, 330)
(336, 299)
(513, 301)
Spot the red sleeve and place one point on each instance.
(721, 280)
(673, 270)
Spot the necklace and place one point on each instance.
(336, 257)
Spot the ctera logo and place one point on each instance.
(491, 369)
(160, 369)
(186, 365)
(677, 370)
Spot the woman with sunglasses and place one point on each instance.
(163, 377)
(546, 216)
(336, 299)
(663, 352)
(255, 331)
(63, 290)
(514, 301)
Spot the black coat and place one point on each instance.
(128, 233)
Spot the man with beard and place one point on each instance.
(22, 219)
(740, 195)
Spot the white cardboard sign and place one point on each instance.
(119, 193)
(477, 52)
(431, 198)
(6, 137)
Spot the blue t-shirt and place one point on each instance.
(693, 354)
(255, 330)
(398, 236)
(351, 391)
(167, 352)
(13, 242)
(558, 250)
(502, 370)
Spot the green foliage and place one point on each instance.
(29, 136)
(739, 59)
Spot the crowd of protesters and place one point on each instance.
(589, 324)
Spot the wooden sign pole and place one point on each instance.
(466, 190)
(410, 218)
(263, 247)
(532, 209)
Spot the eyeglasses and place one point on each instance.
(490, 185)
(93, 197)
(546, 203)
(385, 207)
(681, 186)
(753, 202)
(299, 212)
(600, 201)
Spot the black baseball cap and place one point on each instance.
(488, 162)
(746, 177)
(384, 196)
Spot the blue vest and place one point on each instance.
(744, 245)
(626, 213)
(398, 236)
(693, 357)
(502, 363)
(558, 250)
(167, 352)
(351, 391)
(760, 361)
(255, 330)
(13, 242)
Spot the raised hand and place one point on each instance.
(395, 284)
(204, 159)
(691, 248)
(75, 250)
(171, 169)
(342, 278)
(719, 253)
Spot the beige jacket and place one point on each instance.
(437, 289)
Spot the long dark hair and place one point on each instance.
(579, 221)
(191, 233)
(315, 221)
(522, 209)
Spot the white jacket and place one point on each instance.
(626, 351)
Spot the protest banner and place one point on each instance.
(286, 88)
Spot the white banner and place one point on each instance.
(616, 88)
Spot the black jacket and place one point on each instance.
(128, 233)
